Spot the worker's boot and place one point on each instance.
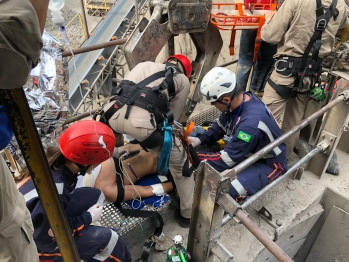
(184, 222)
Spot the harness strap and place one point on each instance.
(119, 183)
(299, 67)
(150, 79)
(321, 23)
(284, 91)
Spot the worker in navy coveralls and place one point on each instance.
(81, 145)
(249, 126)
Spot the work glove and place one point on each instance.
(96, 212)
(194, 141)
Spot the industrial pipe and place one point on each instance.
(94, 47)
(80, 116)
(265, 150)
(262, 237)
(22, 122)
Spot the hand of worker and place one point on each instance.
(96, 212)
(194, 141)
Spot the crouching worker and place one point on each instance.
(81, 145)
(249, 125)
(145, 105)
(115, 176)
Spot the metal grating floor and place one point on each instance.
(207, 115)
(112, 218)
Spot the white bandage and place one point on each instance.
(158, 189)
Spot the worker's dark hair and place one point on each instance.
(55, 160)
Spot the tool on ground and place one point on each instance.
(177, 252)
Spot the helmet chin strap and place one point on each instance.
(226, 104)
(83, 169)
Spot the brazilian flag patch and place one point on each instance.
(244, 136)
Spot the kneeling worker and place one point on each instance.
(249, 125)
(146, 103)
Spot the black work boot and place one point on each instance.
(184, 222)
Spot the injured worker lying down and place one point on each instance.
(128, 177)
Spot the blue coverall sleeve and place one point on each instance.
(213, 134)
(240, 145)
(76, 223)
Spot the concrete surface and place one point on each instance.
(285, 202)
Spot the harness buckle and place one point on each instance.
(321, 24)
(173, 69)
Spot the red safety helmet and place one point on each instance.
(87, 142)
(184, 61)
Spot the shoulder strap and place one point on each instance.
(322, 20)
(150, 79)
(169, 72)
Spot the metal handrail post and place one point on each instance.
(22, 122)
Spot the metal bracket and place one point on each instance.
(346, 94)
(266, 213)
(326, 140)
(346, 128)
(267, 216)
(221, 252)
(188, 16)
(298, 174)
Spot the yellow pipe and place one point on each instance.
(82, 26)
(344, 36)
(17, 108)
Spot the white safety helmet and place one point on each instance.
(217, 82)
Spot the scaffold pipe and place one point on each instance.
(22, 122)
(86, 49)
(80, 116)
(262, 237)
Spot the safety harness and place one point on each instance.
(149, 98)
(305, 66)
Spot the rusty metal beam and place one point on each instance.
(262, 237)
(234, 209)
(19, 113)
(89, 48)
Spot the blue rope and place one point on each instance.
(166, 149)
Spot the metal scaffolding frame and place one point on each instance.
(211, 198)
(93, 74)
